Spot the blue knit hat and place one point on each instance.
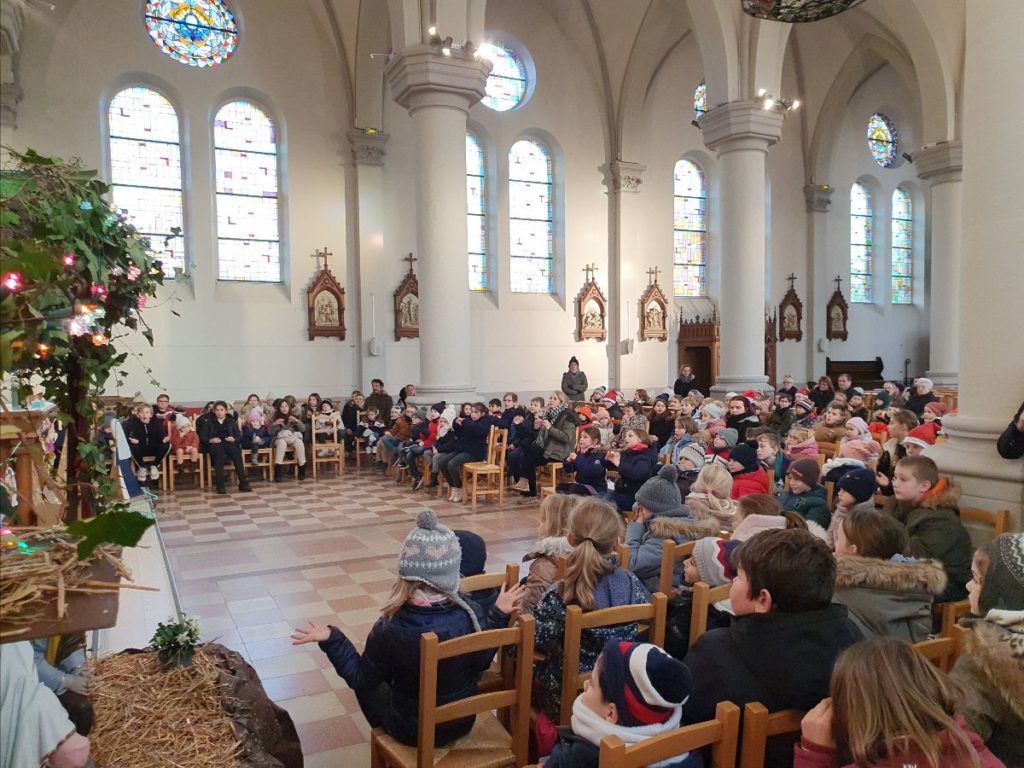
(645, 683)
(859, 483)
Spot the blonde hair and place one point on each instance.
(555, 511)
(400, 594)
(594, 529)
(880, 725)
(715, 482)
(801, 434)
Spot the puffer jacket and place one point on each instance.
(935, 530)
(543, 559)
(636, 465)
(812, 505)
(889, 598)
(750, 482)
(827, 434)
(471, 436)
(574, 385)
(647, 539)
(589, 469)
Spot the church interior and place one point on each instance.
(509, 251)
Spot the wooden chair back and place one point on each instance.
(721, 734)
(703, 598)
(942, 651)
(826, 449)
(1000, 521)
(328, 442)
(759, 726)
(670, 552)
(830, 489)
(492, 471)
(509, 577)
(576, 621)
(950, 612)
(623, 554)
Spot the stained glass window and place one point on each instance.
(200, 33)
(861, 246)
(506, 85)
(476, 209)
(882, 140)
(700, 99)
(902, 247)
(145, 169)
(245, 154)
(530, 220)
(689, 230)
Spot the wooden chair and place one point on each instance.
(509, 577)
(328, 442)
(264, 462)
(489, 744)
(703, 598)
(828, 450)
(830, 489)
(652, 613)
(942, 651)
(553, 469)
(1000, 521)
(721, 734)
(950, 612)
(492, 471)
(759, 726)
(670, 552)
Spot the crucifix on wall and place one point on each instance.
(321, 254)
(652, 275)
(589, 271)
(411, 260)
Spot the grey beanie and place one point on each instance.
(1003, 586)
(694, 452)
(730, 435)
(660, 494)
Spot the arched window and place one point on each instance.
(476, 210)
(145, 169)
(902, 247)
(689, 230)
(506, 85)
(883, 141)
(199, 33)
(248, 234)
(861, 246)
(530, 219)
(700, 99)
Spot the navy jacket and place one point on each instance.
(635, 468)
(471, 436)
(589, 469)
(392, 658)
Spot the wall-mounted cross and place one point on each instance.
(411, 259)
(839, 282)
(652, 275)
(590, 269)
(792, 279)
(321, 254)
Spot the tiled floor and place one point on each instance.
(253, 566)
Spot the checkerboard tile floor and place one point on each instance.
(252, 566)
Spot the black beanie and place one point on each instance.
(474, 553)
(746, 456)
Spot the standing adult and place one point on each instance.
(921, 396)
(685, 382)
(380, 400)
(574, 381)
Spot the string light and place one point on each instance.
(69, 259)
(12, 281)
(43, 350)
(99, 339)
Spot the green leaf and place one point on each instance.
(124, 528)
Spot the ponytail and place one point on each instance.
(594, 529)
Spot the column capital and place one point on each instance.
(623, 176)
(741, 125)
(818, 197)
(368, 145)
(421, 76)
(940, 163)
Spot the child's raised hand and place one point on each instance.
(571, 456)
(508, 599)
(817, 724)
(314, 633)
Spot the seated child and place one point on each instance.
(886, 593)
(771, 456)
(633, 417)
(662, 423)
(445, 445)
(785, 637)
(918, 439)
(831, 428)
(711, 563)
(421, 439)
(474, 563)
(682, 431)
(858, 443)
(386, 675)
(636, 692)
(587, 464)
(806, 496)
(593, 580)
(782, 418)
(372, 428)
(928, 506)
(800, 443)
(184, 442)
(723, 442)
(660, 515)
(635, 463)
(854, 490)
(710, 497)
(741, 416)
(255, 434)
(396, 436)
(758, 512)
(689, 462)
(748, 476)
(712, 417)
(603, 422)
(148, 442)
(350, 419)
(901, 422)
(803, 409)
(856, 405)
(543, 557)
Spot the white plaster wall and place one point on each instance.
(880, 329)
(231, 338)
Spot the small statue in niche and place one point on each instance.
(653, 308)
(837, 312)
(655, 317)
(407, 304)
(591, 309)
(410, 311)
(325, 301)
(837, 320)
(789, 321)
(592, 317)
(326, 309)
(791, 311)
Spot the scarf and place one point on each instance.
(554, 411)
(592, 727)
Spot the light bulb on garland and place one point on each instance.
(99, 340)
(12, 281)
(69, 259)
(42, 350)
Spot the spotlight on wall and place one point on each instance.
(431, 30)
(780, 104)
(761, 92)
(446, 46)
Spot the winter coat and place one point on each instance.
(150, 436)
(383, 403)
(349, 416)
(888, 597)
(471, 436)
(543, 559)
(663, 429)
(429, 435)
(617, 588)
(447, 443)
(826, 434)
(574, 751)
(781, 420)
(724, 516)
(992, 665)
(750, 482)
(812, 505)
(916, 403)
(574, 385)
(249, 433)
(935, 530)
(1011, 443)
(560, 438)
(298, 427)
(810, 755)
(392, 657)
(752, 524)
(210, 428)
(401, 428)
(821, 398)
(783, 660)
(685, 481)
(683, 386)
(589, 469)
(635, 468)
(647, 539)
(741, 424)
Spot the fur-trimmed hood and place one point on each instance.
(996, 645)
(944, 495)
(888, 576)
(683, 528)
(551, 547)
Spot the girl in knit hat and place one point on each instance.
(858, 443)
(637, 692)
(712, 417)
(723, 443)
(689, 461)
(385, 677)
(184, 441)
(805, 495)
(993, 660)
(444, 443)
(710, 497)
(255, 434)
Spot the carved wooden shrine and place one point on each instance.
(653, 310)
(326, 302)
(698, 346)
(837, 314)
(591, 309)
(770, 348)
(407, 304)
(791, 314)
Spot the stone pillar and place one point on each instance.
(991, 270)
(622, 180)
(941, 167)
(438, 91)
(368, 152)
(819, 200)
(740, 132)
(12, 21)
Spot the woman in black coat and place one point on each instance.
(823, 394)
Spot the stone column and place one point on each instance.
(819, 200)
(622, 180)
(12, 21)
(438, 91)
(740, 132)
(992, 270)
(941, 167)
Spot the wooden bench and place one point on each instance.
(865, 373)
